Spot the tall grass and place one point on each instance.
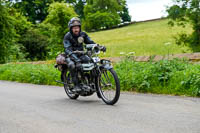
(30, 73)
(164, 77)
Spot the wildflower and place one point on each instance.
(122, 53)
(131, 53)
(168, 43)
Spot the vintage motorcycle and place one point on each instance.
(96, 76)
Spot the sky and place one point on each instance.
(147, 9)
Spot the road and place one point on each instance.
(27, 108)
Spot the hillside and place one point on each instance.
(146, 38)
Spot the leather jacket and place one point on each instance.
(71, 42)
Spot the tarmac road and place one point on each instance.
(27, 108)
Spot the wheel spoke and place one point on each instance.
(108, 88)
(106, 76)
(67, 87)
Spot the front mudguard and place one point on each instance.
(106, 65)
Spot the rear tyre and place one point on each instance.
(66, 80)
(109, 86)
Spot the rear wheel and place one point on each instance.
(66, 80)
(109, 86)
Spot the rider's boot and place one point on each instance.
(77, 87)
(73, 72)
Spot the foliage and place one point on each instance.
(7, 33)
(184, 12)
(100, 20)
(35, 44)
(56, 24)
(29, 73)
(35, 10)
(78, 6)
(124, 14)
(21, 25)
(59, 16)
(165, 77)
(13, 25)
(101, 14)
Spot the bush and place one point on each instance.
(35, 45)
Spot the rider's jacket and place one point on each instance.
(71, 42)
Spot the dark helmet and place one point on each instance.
(74, 22)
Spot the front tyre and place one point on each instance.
(66, 79)
(109, 86)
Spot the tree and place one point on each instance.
(21, 25)
(78, 6)
(100, 20)
(182, 13)
(59, 16)
(119, 6)
(124, 14)
(101, 14)
(35, 10)
(56, 24)
(7, 32)
(12, 26)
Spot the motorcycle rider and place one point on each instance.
(73, 41)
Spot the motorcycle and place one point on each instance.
(97, 76)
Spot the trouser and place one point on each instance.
(74, 66)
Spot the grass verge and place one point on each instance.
(44, 74)
(176, 77)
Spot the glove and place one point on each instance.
(70, 64)
(75, 58)
(77, 61)
(103, 48)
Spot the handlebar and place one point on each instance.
(91, 47)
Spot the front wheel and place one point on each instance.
(109, 86)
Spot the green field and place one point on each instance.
(146, 38)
